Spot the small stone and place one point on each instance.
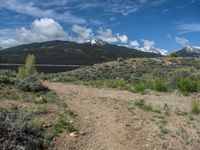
(46, 125)
(71, 121)
(99, 116)
(87, 118)
(82, 133)
(73, 134)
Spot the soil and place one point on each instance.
(107, 119)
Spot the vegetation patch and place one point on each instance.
(31, 84)
(179, 112)
(195, 107)
(147, 107)
(137, 75)
(59, 127)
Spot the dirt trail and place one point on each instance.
(105, 122)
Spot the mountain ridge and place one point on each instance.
(189, 51)
(66, 52)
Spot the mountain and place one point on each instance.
(154, 50)
(189, 51)
(65, 52)
(97, 42)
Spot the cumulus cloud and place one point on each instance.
(107, 35)
(134, 44)
(148, 43)
(122, 38)
(47, 29)
(83, 33)
(44, 29)
(182, 41)
(9, 42)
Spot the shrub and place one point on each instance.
(195, 107)
(187, 85)
(173, 54)
(31, 84)
(140, 87)
(160, 85)
(4, 79)
(36, 126)
(118, 83)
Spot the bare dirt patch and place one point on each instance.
(108, 119)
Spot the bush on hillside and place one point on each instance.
(4, 79)
(31, 84)
(160, 85)
(140, 87)
(187, 85)
(173, 54)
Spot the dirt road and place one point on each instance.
(108, 120)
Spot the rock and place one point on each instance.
(82, 133)
(40, 100)
(47, 125)
(73, 134)
(99, 116)
(71, 121)
(87, 118)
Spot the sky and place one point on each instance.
(166, 24)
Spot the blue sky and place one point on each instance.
(167, 24)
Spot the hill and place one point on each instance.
(65, 52)
(189, 51)
(159, 74)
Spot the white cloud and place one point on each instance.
(107, 35)
(187, 28)
(45, 29)
(4, 43)
(134, 44)
(122, 38)
(182, 41)
(83, 33)
(148, 43)
(30, 8)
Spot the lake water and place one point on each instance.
(45, 69)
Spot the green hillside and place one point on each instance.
(64, 52)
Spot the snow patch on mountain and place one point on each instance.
(98, 42)
(150, 49)
(191, 49)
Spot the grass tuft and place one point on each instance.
(195, 107)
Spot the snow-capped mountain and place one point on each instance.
(148, 49)
(154, 50)
(98, 42)
(189, 51)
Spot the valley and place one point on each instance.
(136, 103)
